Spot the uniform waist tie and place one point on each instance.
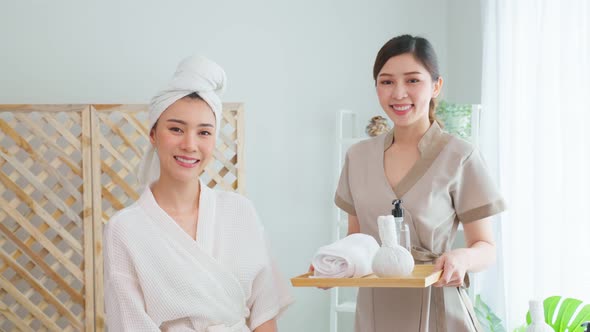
(424, 256)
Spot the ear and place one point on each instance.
(437, 88)
(153, 135)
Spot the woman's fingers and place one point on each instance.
(439, 263)
(438, 266)
(450, 277)
(454, 280)
(448, 272)
(311, 269)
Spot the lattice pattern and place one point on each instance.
(42, 271)
(51, 215)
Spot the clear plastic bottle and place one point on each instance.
(398, 215)
(404, 238)
(402, 228)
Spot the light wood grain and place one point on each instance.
(240, 183)
(422, 276)
(94, 153)
(92, 276)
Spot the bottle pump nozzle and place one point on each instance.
(397, 211)
(402, 228)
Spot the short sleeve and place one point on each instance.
(475, 195)
(343, 198)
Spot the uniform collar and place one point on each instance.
(431, 136)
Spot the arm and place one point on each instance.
(479, 254)
(268, 326)
(123, 296)
(125, 305)
(269, 291)
(353, 224)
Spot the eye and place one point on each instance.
(175, 130)
(205, 133)
(413, 80)
(386, 82)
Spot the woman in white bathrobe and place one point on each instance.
(185, 257)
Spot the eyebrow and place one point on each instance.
(408, 73)
(184, 123)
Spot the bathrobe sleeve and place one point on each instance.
(270, 294)
(124, 300)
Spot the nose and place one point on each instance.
(189, 143)
(399, 91)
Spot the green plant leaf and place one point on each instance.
(566, 310)
(520, 329)
(583, 316)
(486, 317)
(456, 118)
(568, 307)
(550, 305)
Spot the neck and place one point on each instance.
(412, 134)
(176, 196)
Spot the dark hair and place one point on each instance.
(193, 95)
(422, 51)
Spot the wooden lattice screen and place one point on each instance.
(64, 170)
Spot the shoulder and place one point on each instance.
(458, 147)
(232, 201)
(124, 220)
(367, 146)
(231, 197)
(235, 210)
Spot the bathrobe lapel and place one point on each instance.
(207, 278)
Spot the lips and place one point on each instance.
(187, 160)
(401, 109)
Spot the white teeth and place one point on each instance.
(401, 108)
(187, 161)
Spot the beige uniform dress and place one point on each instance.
(448, 185)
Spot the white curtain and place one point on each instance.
(536, 137)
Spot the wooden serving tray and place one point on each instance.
(421, 277)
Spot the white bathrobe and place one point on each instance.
(158, 278)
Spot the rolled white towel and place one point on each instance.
(348, 257)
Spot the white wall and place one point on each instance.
(465, 47)
(293, 63)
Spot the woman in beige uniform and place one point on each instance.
(442, 181)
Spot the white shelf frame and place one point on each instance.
(345, 118)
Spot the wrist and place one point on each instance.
(464, 257)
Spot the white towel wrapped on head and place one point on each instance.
(349, 257)
(194, 74)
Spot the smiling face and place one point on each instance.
(405, 88)
(184, 137)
